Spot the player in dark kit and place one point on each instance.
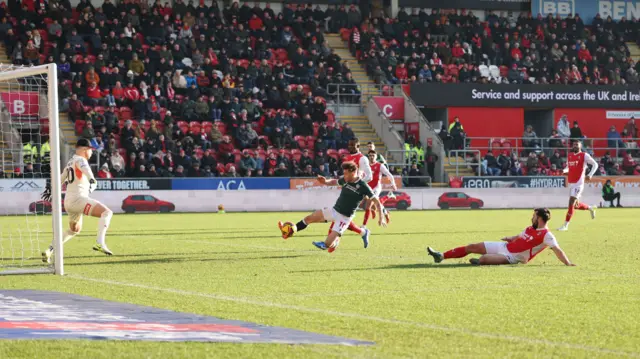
(354, 190)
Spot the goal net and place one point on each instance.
(30, 144)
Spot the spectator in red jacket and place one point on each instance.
(544, 163)
(255, 23)
(131, 94)
(94, 94)
(104, 172)
(401, 73)
(226, 150)
(584, 54)
(628, 164)
(457, 52)
(516, 51)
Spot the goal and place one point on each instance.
(30, 150)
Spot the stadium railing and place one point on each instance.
(521, 146)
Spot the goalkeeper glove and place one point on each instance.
(46, 195)
(92, 185)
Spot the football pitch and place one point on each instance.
(236, 266)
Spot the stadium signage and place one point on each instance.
(22, 185)
(21, 103)
(392, 107)
(527, 96)
(514, 182)
(313, 184)
(618, 182)
(514, 5)
(588, 9)
(229, 184)
(31, 314)
(133, 184)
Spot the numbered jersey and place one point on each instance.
(77, 174)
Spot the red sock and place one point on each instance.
(354, 228)
(456, 253)
(331, 227)
(366, 217)
(582, 206)
(569, 214)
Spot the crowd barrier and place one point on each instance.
(151, 200)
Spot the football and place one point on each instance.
(288, 228)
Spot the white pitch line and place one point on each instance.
(433, 327)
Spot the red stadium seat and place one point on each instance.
(221, 169)
(301, 140)
(316, 126)
(198, 153)
(125, 113)
(227, 168)
(123, 152)
(343, 152)
(296, 154)
(221, 127)
(496, 144)
(311, 142)
(195, 127)
(207, 126)
(79, 126)
(184, 127)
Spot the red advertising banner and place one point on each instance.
(21, 103)
(616, 181)
(311, 183)
(392, 107)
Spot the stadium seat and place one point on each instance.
(198, 153)
(296, 154)
(125, 113)
(195, 127)
(221, 127)
(343, 152)
(207, 126)
(227, 168)
(301, 140)
(79, 126)
(184, 127)
(221, 169)
(316, 126)
(123, 152)
(496, 145)
(311, 142)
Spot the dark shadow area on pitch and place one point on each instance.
(393, 266)
(178, 260)
(173, 254)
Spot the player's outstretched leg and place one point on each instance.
(314, 217)
(570, 210)
(363, 232)
(68, 234)
(459, 252)
(104, 214)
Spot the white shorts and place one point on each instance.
(340, 222)
(79, 206)
(575, 190)
(377, 191)
(501, 248)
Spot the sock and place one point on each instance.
(331, 228)
(301, 225)
(456, 253)
(66, 236)
(366, 217)
(103, 225)
(582, 206)
(354, 228)
(569, 215)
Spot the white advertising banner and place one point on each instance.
(294, 200)
(622, 115)
(22, 185)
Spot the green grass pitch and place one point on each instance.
(236, 266)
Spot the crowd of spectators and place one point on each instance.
(532, 155)
(443, 46)
(192, 90)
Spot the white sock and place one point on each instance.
(103, 225)
(66, 236)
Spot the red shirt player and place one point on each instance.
(378, 169)
(577, 163)
(513, 250)
(364, 168)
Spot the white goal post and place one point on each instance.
(21, 238)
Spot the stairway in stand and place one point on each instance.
(66, 126)
(634, 49)
(360, 124)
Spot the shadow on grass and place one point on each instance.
(391, 267)
(177, 260)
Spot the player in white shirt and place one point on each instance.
(78, 177)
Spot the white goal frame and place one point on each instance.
(50, 70)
